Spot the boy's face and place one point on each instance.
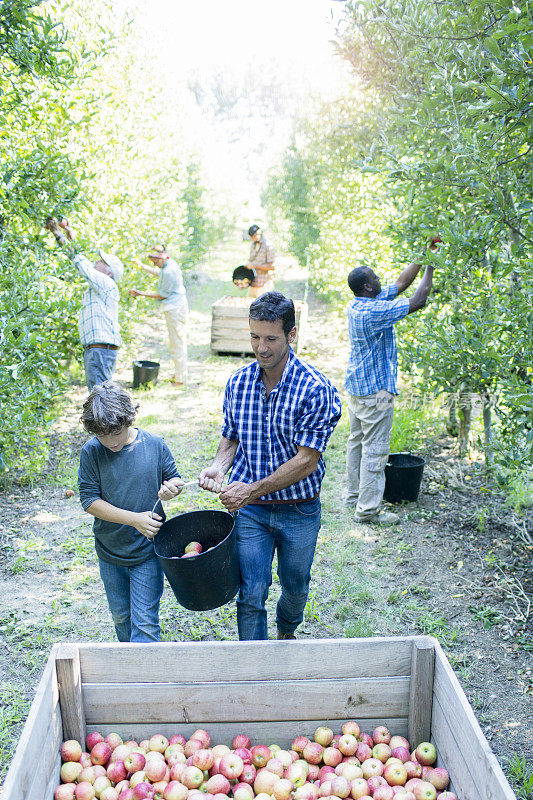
(115, 441)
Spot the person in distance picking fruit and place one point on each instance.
(261, 259)
(172, 299)
(121, 471)
(371, 381)
(279, 413)
(98, 317)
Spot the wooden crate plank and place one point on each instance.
(258, 701)
(421, 691)
(201, 662)
(70, 698)
(281, 733)
(44, 717)
(45, 786)
(458, 730)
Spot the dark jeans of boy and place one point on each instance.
(99, 365)
(133, 595)
(292, 531)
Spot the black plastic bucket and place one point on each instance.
(144, 372)
(403, 476)
(206, 581)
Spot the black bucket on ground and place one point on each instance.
(144, 372)
(206, 581)
(403, 476)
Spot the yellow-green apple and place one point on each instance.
(306, 792)
(102, 782)
(110, 793)
(283, 789)
(138, 777)
(398, 741)
(296, 773)
(71, 750)
(242, 791)
(220, 750)
(175, 791)
(426, 754)
(382, 752)
(87, 774)
(325, 789)
(113, 740)
(65, 791)
(371, 766)
(349, 771)
(265, 781)
(359, 788)
(324, 736)
(439, 777)
(425, 791)
(395, 774)
(70, 771)
(414, 769)
(192, 777)
(446, 796)
(120, 752)
(263, 796)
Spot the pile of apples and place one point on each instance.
(346, 766)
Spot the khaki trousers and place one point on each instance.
(367, 450)
(176, 319)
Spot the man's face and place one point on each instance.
(256, 236)
(115, 441)
(157, 262)
(373, 283)
(269, 342)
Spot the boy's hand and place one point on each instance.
(170, 489)
(211, 478)
(147, 523)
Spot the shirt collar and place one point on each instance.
(286, 370)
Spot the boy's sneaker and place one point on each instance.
(381, 518)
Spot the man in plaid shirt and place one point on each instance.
(98, 317)
(371, 382)
(261, 259)
(279, 413)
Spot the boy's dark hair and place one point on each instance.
(108, 409)
(272, 306)
(357, 279)
(253, 229)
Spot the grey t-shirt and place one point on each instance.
(170, 286)
(128, 479)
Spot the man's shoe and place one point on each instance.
(350, 502)
(382, 518)
(282, 635)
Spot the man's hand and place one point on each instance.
(236, 495)
(146, 523)
(135, 293)
(211, 478)
(171, 488)
(434, 241)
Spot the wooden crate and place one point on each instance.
(271, 690)
(229, 325)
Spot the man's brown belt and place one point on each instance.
(103, 345)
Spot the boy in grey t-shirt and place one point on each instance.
(121, 471)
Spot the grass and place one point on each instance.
(521, 776)
(415, 423)
(14, 707)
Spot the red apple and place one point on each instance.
(71, 750)
(333, 757)
(218, 784)
(120, 752)
(446, 796)
(425, 791)
(439, 777)
(249, 773)
(401, 752)
(192, 746)
(306, 792)
(102, 782)
(398, 741)
(176, 771)
(194, 547)
(299, 743)
(134, 762)
(351, 727)
(265, 782)
(326, 788)
(87, 774)
(381, 734)
(243, 791)
(383, 793)
(116, 771)
(92, 739)
(178, 738)
(313, 772)
(84, 791)
(113, 740)
(203, 759)
(283, 789)
(101, 753)
(348, 744)
(363, 752)
(374, 781)
(313, 752)
(323, 772)
(231, 766)
(241, 740)
(413, 769)
(276, 766)
(142, 791)
(365, 738)
(340, 786)
(203, 736)
(244, 754)
(65, 791)
(261, 755)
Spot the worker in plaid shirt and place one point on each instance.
(279, 413)
(371, 381)
(261, 259)
(98, 317)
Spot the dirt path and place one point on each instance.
(457, 567)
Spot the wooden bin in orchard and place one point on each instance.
(272, 691)
(229, 324)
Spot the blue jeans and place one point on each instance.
(99, 365)
(133, 595)
(292, 530)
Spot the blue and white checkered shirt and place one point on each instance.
(302, 410)
(373, 362)
(98, 318)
